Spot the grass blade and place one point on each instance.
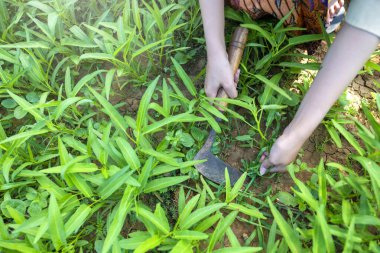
(56, 228)
(141, 119)
(185, 78)
(349, 137)
(221, 229)
(200, 214)
(287, 231)
(273, 86)
(162, 183)
(118, 221)
(77, 219)
(128, 153)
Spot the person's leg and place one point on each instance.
(347, 55)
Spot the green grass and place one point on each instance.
(78, 174)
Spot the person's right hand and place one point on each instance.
(219, 75)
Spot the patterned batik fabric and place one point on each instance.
(305, 13)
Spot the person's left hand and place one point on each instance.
(333, 10)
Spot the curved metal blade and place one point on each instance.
(213, 168)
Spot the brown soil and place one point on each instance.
(130, 96)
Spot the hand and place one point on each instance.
(282, 153)
(334, 10)
(219, 75)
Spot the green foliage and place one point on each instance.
(79, 173)
(343, 207)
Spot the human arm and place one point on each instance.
(347, 55)
(218, 70)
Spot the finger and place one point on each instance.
(331, 11)
(278, 168)
(265, 166)
(236, 76)
(336, 8)
(211, 90)
(230, 89)
(263, 156)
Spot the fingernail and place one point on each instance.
(263, 170)
(263, 156)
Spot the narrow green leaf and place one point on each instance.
(6, 167)
(29, 44)
(108, 83)
(161, 216)
(183, 117)
(56, 228)
(189, 235)
(221, 229)
(234, 242)
(115, 116)
(374, 124)
(17, 245)
(80, 183)
(27, 107)
(238, 185)
(200, 214)
(187, 209)
(185, 78)
(84, 80)
(273, 86)
(128, 153)
(146, 172)
(349, 244)
(112, 184)
(182, 246)
(118, 222)
(322, 190)
(134, 242)
(77, 219)
(328, 240)
(297, 40)
(97, 56)
(161, 156)
(261, 31)
(153, 219)
(349, 137)
(43, 7)
(147, 48)
(181, 200)
(141, 119)
(253, 212)
(239, 250)
(334, 135)
(208, 222)
(149, 244)
(287, 231)
(371, 166)
(228, 186)
(24, 135)
(163, 183)
(63, 106)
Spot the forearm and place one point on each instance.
(345, 58)
(213, 24)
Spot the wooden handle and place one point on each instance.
(235, 53)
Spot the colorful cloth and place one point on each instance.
(305, 12)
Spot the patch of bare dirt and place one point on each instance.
(319, 146)
(130, 96)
